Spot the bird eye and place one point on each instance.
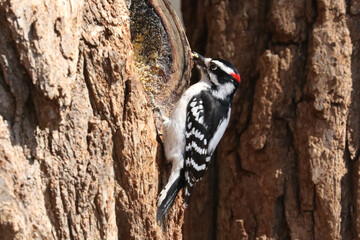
(213, 66)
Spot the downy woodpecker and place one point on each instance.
(195, 127)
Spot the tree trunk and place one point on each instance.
(79, 152)
(288, 165)
(80, 157)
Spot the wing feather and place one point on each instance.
(196, 149)
(206, 122)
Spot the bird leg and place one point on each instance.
(156, 107)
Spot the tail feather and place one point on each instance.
(169, 199)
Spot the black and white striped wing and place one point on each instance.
(197, 157)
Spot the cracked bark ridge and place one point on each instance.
(287, 167)
(78, 143)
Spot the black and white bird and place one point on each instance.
(195, 127)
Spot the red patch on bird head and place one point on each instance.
(236, 76)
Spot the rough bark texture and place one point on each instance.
(288, 165)
(79, 153)
(78, 143)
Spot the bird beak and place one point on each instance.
(199, 60)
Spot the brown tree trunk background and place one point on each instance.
(79, 153)
(78, 141)
(288, 165)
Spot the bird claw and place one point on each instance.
(156, 107)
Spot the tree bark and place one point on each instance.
(79, 151)
(287, 167)
(80, 157)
